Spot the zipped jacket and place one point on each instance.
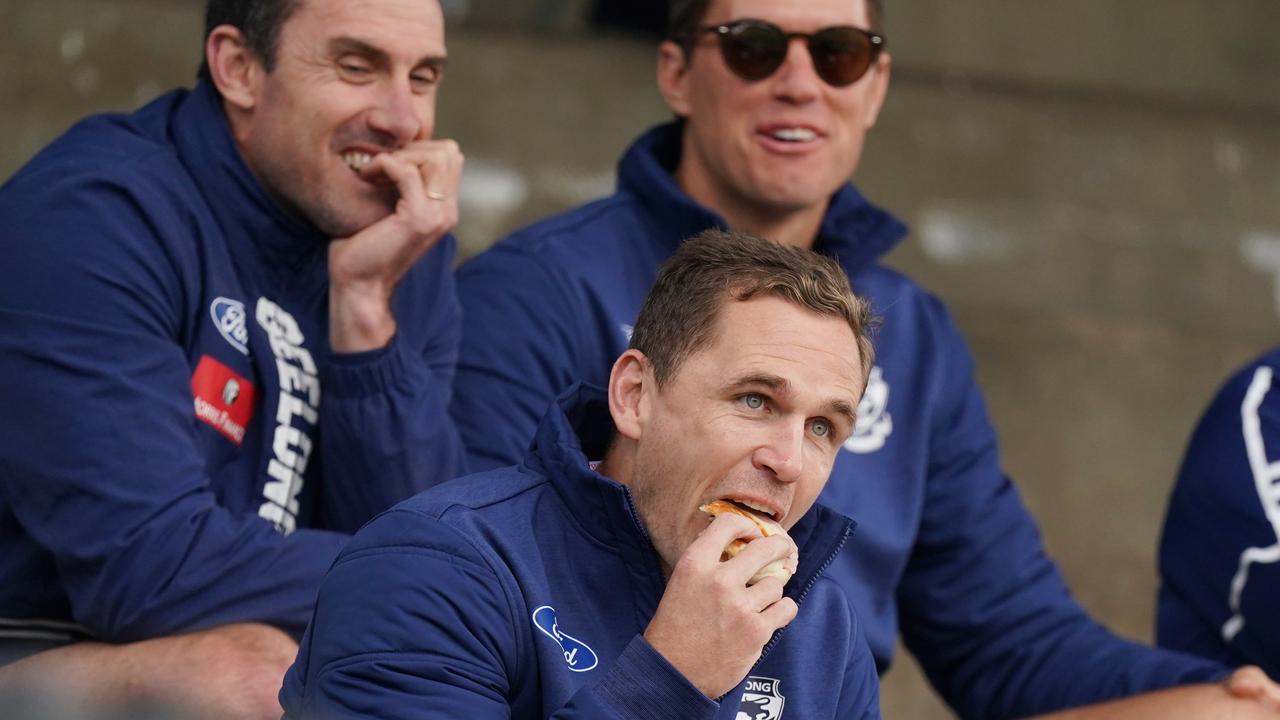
(1220, 550)
(179, 448)
(947, 553)
(524, 592)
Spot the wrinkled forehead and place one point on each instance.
(769, 336)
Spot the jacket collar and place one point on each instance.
(856, 232)
(579, 428)
(250, 218)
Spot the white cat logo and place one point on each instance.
(761, 699)
(874, 422)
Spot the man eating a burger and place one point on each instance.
(657, 553)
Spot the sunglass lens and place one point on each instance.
(841, 55)
(753, 50)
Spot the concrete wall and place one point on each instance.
(1092, 186)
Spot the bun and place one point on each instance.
(766, 525)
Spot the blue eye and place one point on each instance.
(821, 428)
(753, 401)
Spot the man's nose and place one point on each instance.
(797, 81)
(397, 114)
(783, 451)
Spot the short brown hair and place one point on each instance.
(685, 16)
(679, 315)
(259, 21)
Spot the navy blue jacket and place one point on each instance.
(1220, 551)
(946, 550)
(178, 447)
(522, 593)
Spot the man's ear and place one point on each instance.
(673, 77)
(879, 88)
(630, 383)
(234, 66)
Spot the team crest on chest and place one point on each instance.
(761, 700)
(874, 422)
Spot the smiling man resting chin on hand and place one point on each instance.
(569, 589)
(229, 338)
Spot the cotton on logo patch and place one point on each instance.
(223, 398)
(229, 317)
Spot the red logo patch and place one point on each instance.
(223, 398)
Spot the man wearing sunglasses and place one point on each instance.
(773, 100)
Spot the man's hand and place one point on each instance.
(1251, 683)
(709, 625)
(365, 268)
(1248, 693)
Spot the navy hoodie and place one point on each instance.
(1220, 551)
(178, 447)
(947, 553)
(523, 592)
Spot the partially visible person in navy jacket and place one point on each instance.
(1220, 551)
(563, 588)
(228, 338)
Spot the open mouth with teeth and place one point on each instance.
(795, 135)
(742, 505)
(357, 160)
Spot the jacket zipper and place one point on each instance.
(805, 591)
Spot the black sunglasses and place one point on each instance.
(755, 49)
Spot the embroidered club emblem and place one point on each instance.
(761, 699)
(229, 317)
(874, 422)
(223, 398)
(577, 655)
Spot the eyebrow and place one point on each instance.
(845, 410)
(782, 387)
(345, 45)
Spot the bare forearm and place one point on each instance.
(228, 671)
(360, 319)
(1190, 702)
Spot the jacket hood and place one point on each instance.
(252, 220)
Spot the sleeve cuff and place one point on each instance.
(642, 685)
(372, 372)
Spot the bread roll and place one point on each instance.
(779, 568)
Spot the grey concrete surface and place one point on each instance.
(1092, 187)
